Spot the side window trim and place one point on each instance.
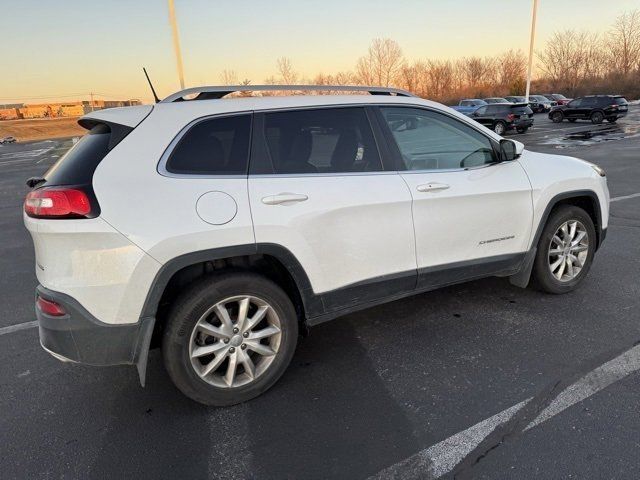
(260, 162)
(393, 146)
(161, 167)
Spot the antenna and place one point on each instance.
(155, 97)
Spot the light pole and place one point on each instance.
(176, 42)
(531, 42)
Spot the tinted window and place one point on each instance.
(321, 141)
(217, 146)
(493, 109)
(521, 110)
(481, 111)
(620, 101)
(575, 103)
(589, 102)
(430, 140)
(76, 167)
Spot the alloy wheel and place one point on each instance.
(235, 341)
(568, 250)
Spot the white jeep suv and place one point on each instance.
(219, 229)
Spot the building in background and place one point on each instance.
(66, 109)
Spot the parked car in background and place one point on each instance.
(469, 105)
(516, 99)
(596, 108)
(558, 98)
(552, 102)
(7, 140)
(496, 100)
(539, 103)
(502, 117)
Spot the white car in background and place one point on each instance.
(219, 229)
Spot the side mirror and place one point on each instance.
(509, 150)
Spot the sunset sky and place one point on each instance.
(64, 49)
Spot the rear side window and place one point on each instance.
(332, 140)
(216, 146)
(76, 167)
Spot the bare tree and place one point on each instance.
(623, 42)
(512, 66)
(287, 74)
(229, 77)
(569, 58)
(382, 64)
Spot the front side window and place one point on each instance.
(216, 146)
(575, 103)
(433, 141)
(331, 140)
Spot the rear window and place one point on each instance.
(217, 146)
(76, 167)
(521, 110)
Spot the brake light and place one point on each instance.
(57, 202)
(50, 308)
(511, 117)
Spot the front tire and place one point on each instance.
(565, 250)
(229, 338)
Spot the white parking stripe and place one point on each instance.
(592, 383)
(624, 197)
(18, 327)
(442, 457)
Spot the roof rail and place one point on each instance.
(213, 92)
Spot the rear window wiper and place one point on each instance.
(35, 181)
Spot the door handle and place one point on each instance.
(284, 199)
(432, 187)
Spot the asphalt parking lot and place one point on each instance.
(480, 380)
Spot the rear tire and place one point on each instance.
(500, 128)
(222, 359)
(557, 117)
(597, 117)
(569, 237)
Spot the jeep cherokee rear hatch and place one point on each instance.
(79, 254)
(65, 190)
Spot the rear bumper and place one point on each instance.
(524, 123)
(79, 337)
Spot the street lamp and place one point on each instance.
(176, 42)
(533, 34)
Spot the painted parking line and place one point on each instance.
(441, 458)
(17, 327)
(624, 197)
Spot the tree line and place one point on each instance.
(570, 62)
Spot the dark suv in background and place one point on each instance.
(596, 108)
(501, 117)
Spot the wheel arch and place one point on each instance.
(273, 261)
(587, 200)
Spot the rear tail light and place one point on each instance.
(615, 105)
(57, 202)
(511, 117)
(50, 308)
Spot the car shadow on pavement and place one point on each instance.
(330, 416)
